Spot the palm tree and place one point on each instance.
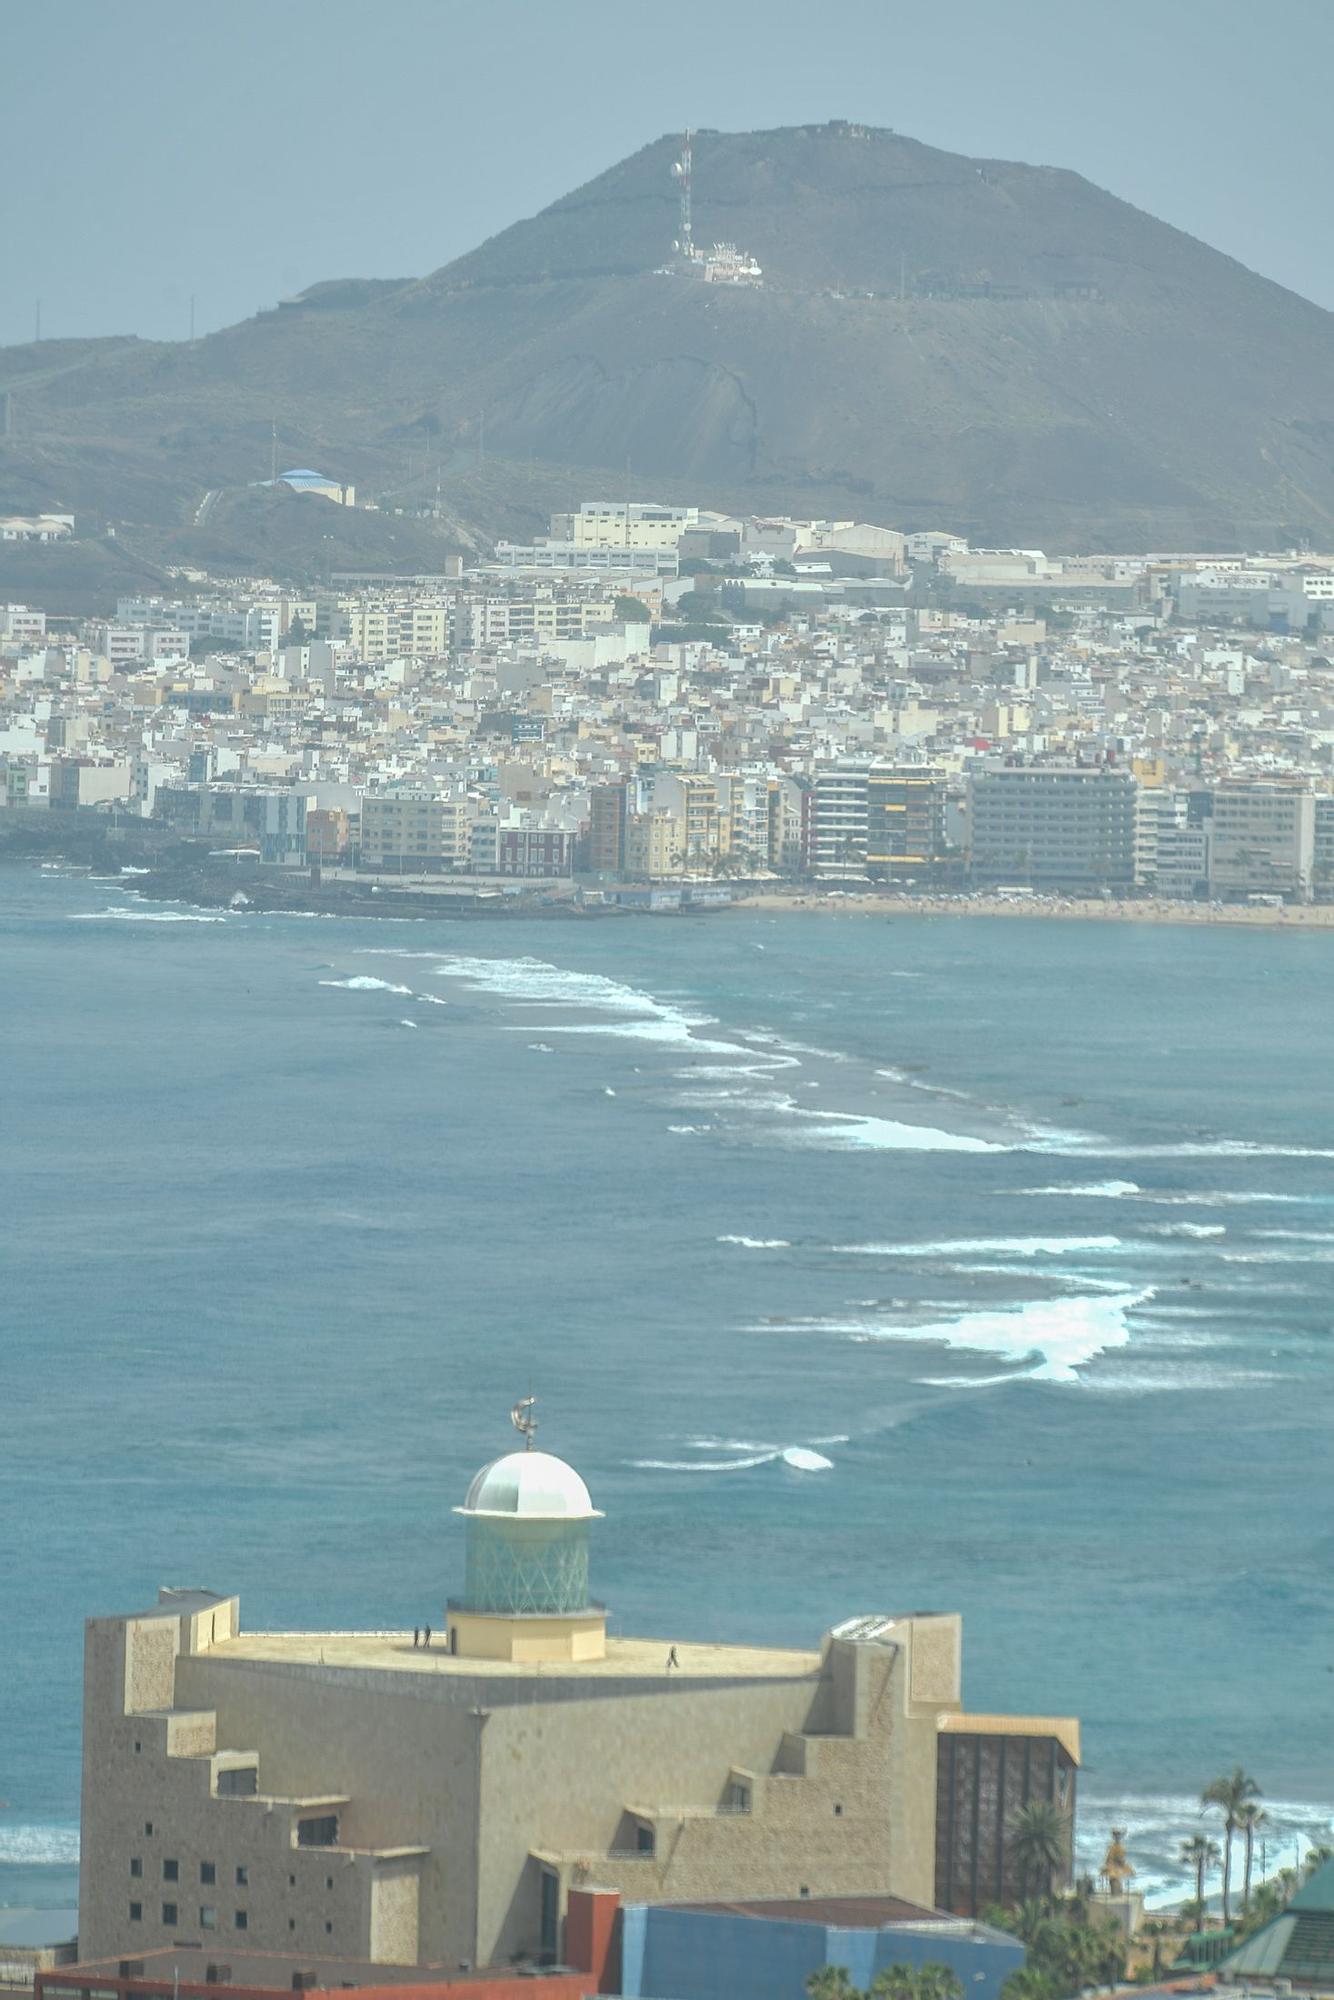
(1029, 1982)
(1200, 1853)
(1250, 1818)
(832, 1982)
(916, 1982)
(1040, 1843)
(1229, 1795)
(1316, 1857)
(1027, 1918)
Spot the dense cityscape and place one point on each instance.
(661, 697)
(431, 1024)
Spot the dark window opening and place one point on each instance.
(207, 1872)
(240, 1782)
(320, 1832)
(171, 1871)
(242, 1920)
(550, 1915)
(136, 1913)
(242, 1877)
(136, 1865)
(168, 1913)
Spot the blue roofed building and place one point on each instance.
(767, 1950)
(303, 479)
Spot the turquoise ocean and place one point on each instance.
(860, 1264)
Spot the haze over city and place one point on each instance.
(666, 908)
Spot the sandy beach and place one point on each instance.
(1305, 916)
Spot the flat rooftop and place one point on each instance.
(394, 1652)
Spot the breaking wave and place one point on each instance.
(797, 1457)
(981, 1246)
(130, 914)
(748, 1242)
(361, 983)
(1058, 1337)
(845, 1131)
(39, 1846)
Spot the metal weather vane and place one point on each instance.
(524, 1420)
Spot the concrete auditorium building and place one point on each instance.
(357, 1795)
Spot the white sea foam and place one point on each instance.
(1185, 1149)
(129, 914)
(839, 1131)
(1149, 1378)
(755, 1242)
(39, 1846)
(362, 983)
(1154, 1828)
(766, 1038)
(669, 1030)
(687, 1131)
(431, 999)
(703, 1464)
(1092, 1190)
(1296, 1254)
(407, 1024)
(1298, 1235)
(1059, 1336)
(802, 1459)
(1190, 1229)
(799, 1457)
(981, 1246)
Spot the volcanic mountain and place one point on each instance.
(1000, 349)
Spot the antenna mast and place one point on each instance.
(681, 168)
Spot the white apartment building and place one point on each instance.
(623, 524)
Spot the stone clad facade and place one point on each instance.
(354, 1794)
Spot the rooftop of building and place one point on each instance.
(846, 1912)
(394, 1652)
(193, 1969)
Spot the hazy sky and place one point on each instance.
(238, 150)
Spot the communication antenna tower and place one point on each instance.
(681, 169)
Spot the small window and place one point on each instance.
(291, 1881)
(328, 1881)
(208, 1917)
(243, 1920)
(171, 1871)
(291, 1923)
(168, 1913)
(328, 1930)
(148, 1828)
(838, 1812)
(138, 1746)
(644, 1839)
(242, 1877)
(136, 1865)
(136, 1913)
(207, 1872)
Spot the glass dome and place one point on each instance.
(527, 1552)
